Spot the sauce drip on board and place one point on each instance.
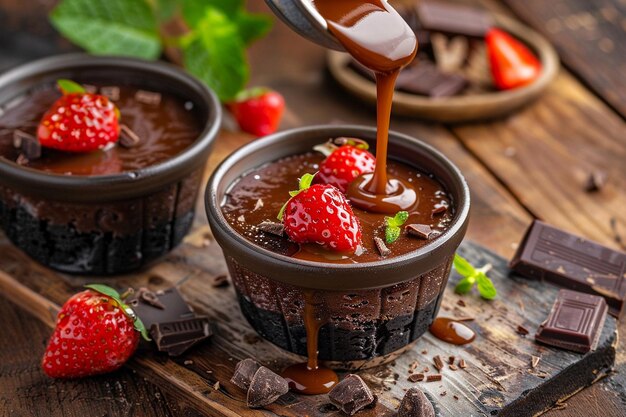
(310, 377)
(376, 36)
(452, 331)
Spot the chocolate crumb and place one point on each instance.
(534, 361)
(439, 209)
(424, 352)
(461, 303)
(265, 388)
(188, 362)
(596, 180)
(416, 377)
(443, 394)
(464, 318)
(434, 377)
(28, 145)
(148, 97)
(112, 92)
(244, 371)
(258, 205)
(422, 231)
(382, 248)
(220, 281)
(216, 386)
(413, 366)
(351, 395)
(453, 367)
(455, 397)
(462, 364)
(150, 298)
(273, 228)
(521, 330)
(128, 138)
(21, 160)
(451, 359)
(415, 404)
(438, 363)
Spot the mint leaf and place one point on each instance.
(392, 229)
(485, 286)
(194, 10)
(462, 266)
(465, 285)
(253, 26)
(215, 54)
(392, 233)
(165, 9)
(111, 27)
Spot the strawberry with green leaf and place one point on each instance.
(343, 164)
(95, 333)
(393, 225)
(474, 277)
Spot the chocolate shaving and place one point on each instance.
(27, 144)
(415, 404)
(216, 386)
(522, 330)
(464, 318)
(534, 361)
(422, 231)
(438, 363)
(443, 394)
(150, 298)
(220, 281)
(453, 367)
(244, 371)
(351, 395)
(462, 364)
(434, 377)
(272, 228)
(128, 138)
(382, 248)
(148, 97)
(416, 377)
(596, 180)
(112, 92)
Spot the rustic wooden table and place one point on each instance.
(531, 164)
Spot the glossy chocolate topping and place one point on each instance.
(164, 128)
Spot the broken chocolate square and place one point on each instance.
(265, 388)
(415, 404)
(244, 371)
(422, 231)
(176, 308)
(351, 395)
(180, 332)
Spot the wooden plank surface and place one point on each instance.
(590, 36)
(499, 361)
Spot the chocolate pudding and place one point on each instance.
(165, 128)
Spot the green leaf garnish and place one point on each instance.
(303, 184)
(111, 27)
(69, 86)
(392, 228)
(110, 292)
(473, 276)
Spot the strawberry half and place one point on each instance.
(342, 165)
(79, 121)
(95, 333)
(321, 214)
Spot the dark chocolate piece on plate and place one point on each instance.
(244, 371)
(415, 404)
(265, 388)
(454, 19)
(28, 144)
(425, 79)
(351, 395)
(175, 307)
(575, 322)
(570, 261)
(178, 332)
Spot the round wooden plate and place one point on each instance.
(464, 108)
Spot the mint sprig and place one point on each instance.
(473, 276)
(393, 224)
(213, 48)
(304, 184)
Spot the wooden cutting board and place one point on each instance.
(499, 379)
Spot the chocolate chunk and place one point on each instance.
(462, 364)
(453, 19)
(244, 371)
(415, 404)
(148, 97)
(575, 322)
(351, 395)
(28, 144)
(128, 138)
(596, 180)
(426, 80)
(180, 332)
(382, 248)
(434, 377)
(521, 330)
(438, 363)
(265, 388)
(570, 261)
(112, 92)
(416, 377)
(422, 231)
(273, 228)
(176, 308)
(453, 367)
(220, 281)
(451, 359)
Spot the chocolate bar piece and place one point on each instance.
(425, 79)
(575, 322)
(415, 404)
(351, 395)
(570, 261)
(453, 19)
(244, 371)
(169, 306)
(265, 388)
(172, 335)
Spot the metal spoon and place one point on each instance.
(302, 17)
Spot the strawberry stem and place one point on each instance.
(305, 183)
(70, 87)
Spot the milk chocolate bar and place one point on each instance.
(575, 322)
(453, 19)
(570, 261)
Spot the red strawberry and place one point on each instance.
(345, 163)
(321, 214)
(258, 110)
(79, 121)
(95, 333)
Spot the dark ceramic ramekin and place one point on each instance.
(106, 224)
(373, 309)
